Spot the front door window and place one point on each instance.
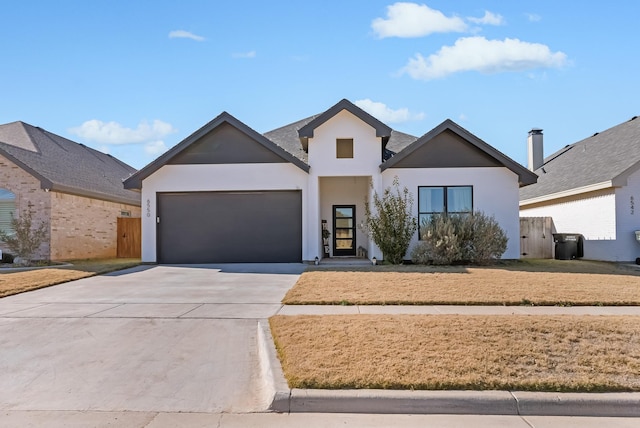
(344, 230)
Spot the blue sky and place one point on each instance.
(134, 78)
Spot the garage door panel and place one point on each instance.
(227, 227)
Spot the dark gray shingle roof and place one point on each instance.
(601, 158)
(287, 138)
(66, 166)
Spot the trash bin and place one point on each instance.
(569, 246)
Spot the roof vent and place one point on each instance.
(633, 118)
(595, 134)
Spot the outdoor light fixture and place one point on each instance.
(317, 261)
(374, 260)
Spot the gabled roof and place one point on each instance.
(287, 138)
(65, 166)
(135, 181)
(601, 161)
(306, 132)
(525, 177)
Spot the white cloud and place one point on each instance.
(489, 18)
(415, 20)
(486, 56)
(385, 114)
(246, 55)
(114, 133)
(533, 17)
(155, 148)
(181, 34)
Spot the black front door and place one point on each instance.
(344, 230)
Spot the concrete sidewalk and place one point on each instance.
(515, 403)
(60, 419)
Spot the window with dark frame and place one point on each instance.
(445, 200)
(344, 148)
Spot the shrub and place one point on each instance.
(447, 239)
(25, 239)
(391, 225)
(489, 242)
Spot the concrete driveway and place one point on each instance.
(151, 338)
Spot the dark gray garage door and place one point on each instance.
(229, 227)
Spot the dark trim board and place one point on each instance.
(229, 227)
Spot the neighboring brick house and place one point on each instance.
(75, 190)
(591, 187)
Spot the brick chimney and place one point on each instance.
(535, 149)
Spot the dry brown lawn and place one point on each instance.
(542, 353)
(540, 282)
(19, 282)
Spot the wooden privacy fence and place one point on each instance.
(129, 237)
(536, 237)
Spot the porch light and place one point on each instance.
(374, 260)
(317, 261)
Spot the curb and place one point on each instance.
(276, 392)
(282, 399)
(466, 403)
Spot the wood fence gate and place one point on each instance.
(129, 237)
(536, 237)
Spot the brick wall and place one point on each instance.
(79, 227)
(29, 195)
(83, 227)
(591, 214)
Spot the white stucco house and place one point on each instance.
(591, 187)
(227, 193)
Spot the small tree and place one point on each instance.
(391, 225)
(25, 239)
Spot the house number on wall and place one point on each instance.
(148, 208)
(632, 205)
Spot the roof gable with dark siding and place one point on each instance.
(212, 147)
(447, 150)
(448, 145)
(226, 144)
